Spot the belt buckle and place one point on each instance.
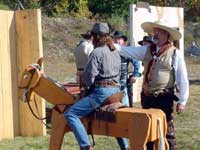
(155, 94)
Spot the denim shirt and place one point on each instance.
(104, 65)
(136, 65)
(124, 70)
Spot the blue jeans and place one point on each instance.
(82, 108)
(123, 143)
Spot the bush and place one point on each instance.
(108, 8)
(22, 4)
(61, 8)
(116, 22)
(3, 6)
(79, 8)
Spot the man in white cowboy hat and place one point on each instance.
(164, 66)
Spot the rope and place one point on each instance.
(37, 117)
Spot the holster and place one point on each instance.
(117, 97)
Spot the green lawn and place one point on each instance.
(188, 123)
(187, 130)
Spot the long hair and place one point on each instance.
(102, 40)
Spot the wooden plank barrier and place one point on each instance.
(29, 48)
(20, 44)
(6, 101)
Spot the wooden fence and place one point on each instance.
(20, 45)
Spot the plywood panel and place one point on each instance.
(29, 49)
(14, 78)
(6, 105)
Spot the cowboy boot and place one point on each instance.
(86, 148)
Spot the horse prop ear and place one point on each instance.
(40, 61)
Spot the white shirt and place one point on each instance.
(82, 53)
(179, 66)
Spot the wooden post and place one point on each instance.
(29, 49)
(7, 47)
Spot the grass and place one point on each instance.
(188, 124)
(187, 127)
(41, 143)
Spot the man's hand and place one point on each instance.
(180, 108)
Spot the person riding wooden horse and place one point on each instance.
(102, 73)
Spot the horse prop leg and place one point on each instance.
(59, 127)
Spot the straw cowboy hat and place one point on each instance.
(146, 39)
(162, 24)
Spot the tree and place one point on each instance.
(108, 7)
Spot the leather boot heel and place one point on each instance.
(86, 148)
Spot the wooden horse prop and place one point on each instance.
(138, 125)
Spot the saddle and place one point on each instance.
(114, 98)
(106, 111)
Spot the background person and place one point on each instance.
(146, 41)
(82, 53)
(120, 39)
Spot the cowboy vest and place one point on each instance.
(161, 75)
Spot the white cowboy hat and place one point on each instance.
(149, 26)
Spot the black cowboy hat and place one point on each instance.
(147, 39)
(119, 34)
(86, 35)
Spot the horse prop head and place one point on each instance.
(29, 79)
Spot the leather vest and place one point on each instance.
(162, 73)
